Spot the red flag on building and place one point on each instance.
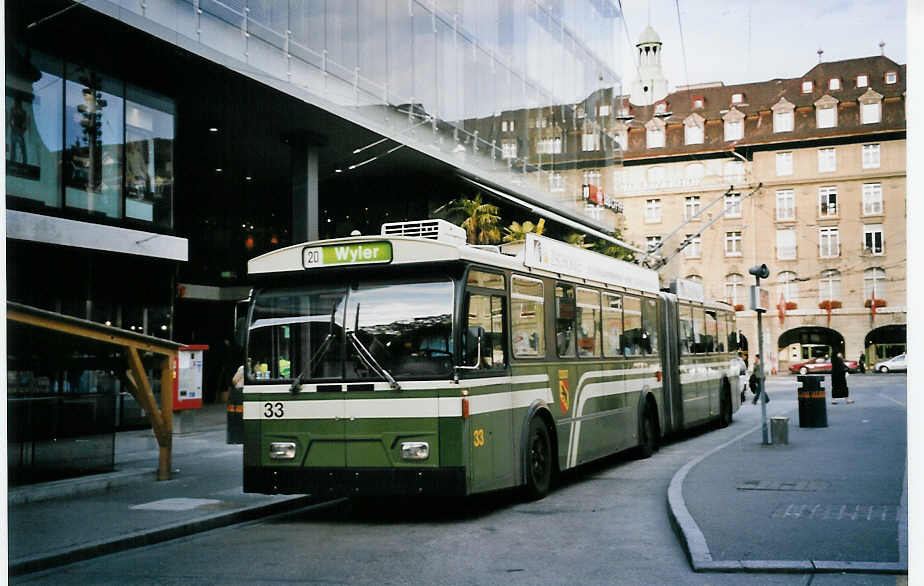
(781, 309)
(872, 305)
(828, 305)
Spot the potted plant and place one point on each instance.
(830, 304)
(739, 307)
(879, 303)
(791, 305)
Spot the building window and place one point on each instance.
(871, 156)
(784, 163)
(507, 126)
(807, 86)
(655, 138)
(542, 122)
(733, 205)
(872, 198)
(734, 171)
(549, 146)
(786, 244)
(734, 130)
(509, 149)
(827, 202)
(655, 177)
(592, 177)
(698, 102)
(693, 133)
(733, 244)
(590, 141)
(874, 281)
(872, 239)
(604, 110)
(734, 288)
(661, 108)
(826, 117)
(829, 242)
(556, 182)
(783, 121)
(834, 83)
(829, 286)
(787, 286)
(870, 113)
(827, 160)
(862, 80)
(652, 210)
(695, 247)
(737, 98)
(694, 278)
(652, 242)
(579, 112)
(622, 112)
(694, 173)
(691, 207)
(622, 139)
(785, 204)
(891, 77)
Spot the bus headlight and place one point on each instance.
(282, 451)
(415, 450)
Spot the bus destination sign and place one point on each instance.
(346, 254)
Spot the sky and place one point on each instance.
(782, 39)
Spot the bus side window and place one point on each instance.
(588, 311)
(710, 336)
(650, 326)
(698, 330)
(632, 317)
(564, 320)
(686, 329)
(485, 318)
(612, 324)
(722, 335)
(732, 333)
(527, 317)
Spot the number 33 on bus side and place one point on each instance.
(271, 410)
(478, 436)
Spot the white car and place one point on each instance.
(895, 364)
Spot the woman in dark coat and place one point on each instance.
(839, 380)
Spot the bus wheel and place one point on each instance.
(538, 460)
(649, 439)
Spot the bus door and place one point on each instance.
(670, 362)
(486, 378)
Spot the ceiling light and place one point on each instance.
(218, 169)
(248, 178)
(338, 170)
(213, 129)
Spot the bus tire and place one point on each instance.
(538, 460)
(648, 435)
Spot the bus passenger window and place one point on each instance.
(632, 316)
(527, 317)
(722, 335)
(485, 319)
(588, 310)
(698, 330)
(650, 326)
(686, 330)
(612, 324)
(710, 336)
(732, 333)
(564, 320)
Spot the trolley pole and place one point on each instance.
(759, 301)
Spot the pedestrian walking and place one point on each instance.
(839, 380)
(862, 362)
(741, 367)
(754, 380)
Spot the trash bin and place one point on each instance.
(779, 430)
(812, 402)
(235, 430)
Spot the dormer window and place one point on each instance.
(698, 102)
(693, 129)
(734, 125)
(661, 108)
(580, 111)
(654, 136)
(807, 86)
(783, 118)
(826, 112)
(891, 77)
(862, 80)
(834, 83)
(870, 107)
(737, 98)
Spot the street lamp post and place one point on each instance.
(759, 301)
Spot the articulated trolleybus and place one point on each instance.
(411, 363)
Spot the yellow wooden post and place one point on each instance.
(166, 408)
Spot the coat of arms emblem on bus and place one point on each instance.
(564, 397)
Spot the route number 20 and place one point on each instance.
(478, 438)
(271, 410)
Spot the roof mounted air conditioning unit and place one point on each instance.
(439, 230)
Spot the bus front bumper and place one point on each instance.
(355, 481)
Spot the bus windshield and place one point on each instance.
(326, 332)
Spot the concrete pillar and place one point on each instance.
(304, 189)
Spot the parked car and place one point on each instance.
(895, 364)
(818, 365)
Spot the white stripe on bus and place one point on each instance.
(406, 385)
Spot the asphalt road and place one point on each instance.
(604, 524)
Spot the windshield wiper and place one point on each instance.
(321, 351)
(367, 357)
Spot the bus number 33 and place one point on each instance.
(478, 438)
(271, 410)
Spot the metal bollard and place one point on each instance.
(779, 430)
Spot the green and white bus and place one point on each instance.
(412, 363)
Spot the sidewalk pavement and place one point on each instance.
(65, 521)
(834, 499)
